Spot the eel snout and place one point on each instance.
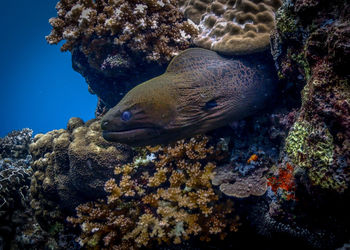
(120, 128)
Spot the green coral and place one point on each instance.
(311, 147)
(56, 228)
(301, 60)
(285, 21)
(296, 145)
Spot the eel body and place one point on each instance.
(199, 91)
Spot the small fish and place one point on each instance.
(199, 91)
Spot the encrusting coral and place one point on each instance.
(283, 182)
(164, 195)
(233, 27)
(234, 184)
(155, 28)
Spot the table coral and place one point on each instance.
(155, 28)
(164, 195)
(233, 27)
(234, 184)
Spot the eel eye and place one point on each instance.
(126, 115)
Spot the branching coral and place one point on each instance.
(233, 27)
(154, 27)
(165, 195)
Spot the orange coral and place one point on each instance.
(284, 181)
(168, 197)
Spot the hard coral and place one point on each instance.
(70, 167)
(233, 27)
(15, 174)
(154, 28)
(234, 184)
(15, 171)
(164, 195)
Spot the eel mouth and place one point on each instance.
(130, 135)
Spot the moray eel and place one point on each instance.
(199, 91)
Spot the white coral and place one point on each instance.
(160, 3)
(140, 8)
(184, 35)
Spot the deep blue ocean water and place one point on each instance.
(38, 87)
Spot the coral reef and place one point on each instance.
(309, 187)
(70, 167)
(155, 28)
(15, 173)
(232, 27)
(286, 170)
(310, 48)
(164, 195)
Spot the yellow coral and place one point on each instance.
(176, 200)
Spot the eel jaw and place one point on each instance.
(132, 137)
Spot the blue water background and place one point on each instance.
(38, 87)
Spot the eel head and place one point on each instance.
(139, 118)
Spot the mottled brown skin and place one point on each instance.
(199, 91)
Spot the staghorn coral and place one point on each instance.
(70, 167)
(154, 28)
(164, 195)
(232, 27)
